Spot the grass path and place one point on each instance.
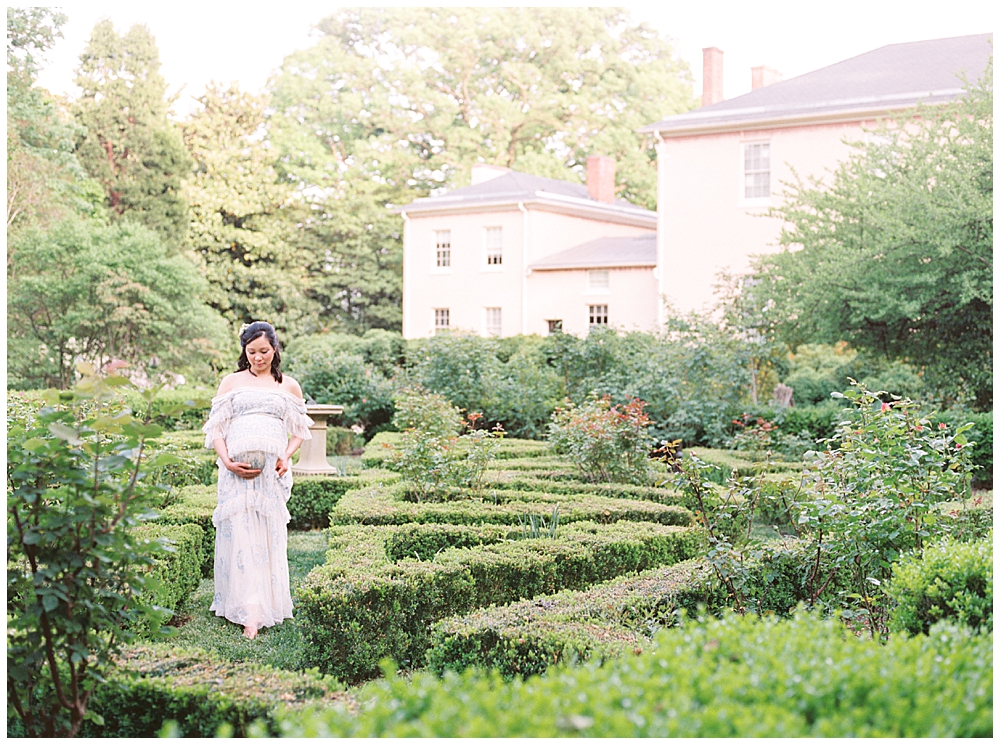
(279, 646)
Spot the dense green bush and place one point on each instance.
(381, 505)
(182, 408)
(177, 571)
(361, 607)
(607, 620)
(201, 693)
(76, 490)
(951, 580)
(314, 496)
(981, 433)
(379, 450)
(195, 505)
(346, 379)
(732, 677)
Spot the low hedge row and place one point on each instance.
(739, 463)
(604, 621)
(387, 505)
(177, 572)
(610, 619)
(730, 677)
(194, 505)
(360, 607)
(951, 580)
(527, 481)
(201, 693)
(381, 446)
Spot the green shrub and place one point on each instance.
(981, 433)
(76, 489)
(733, 677)
(361, 607)
(177, 572)
(195, 505)
(609, 619)
(950, 581)
(526, 481)
(381, 505)
(342, 441)
(314, 496)
(605, 442)
(346, 379)
(201, 693)
(182, 408)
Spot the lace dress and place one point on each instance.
(251, 519)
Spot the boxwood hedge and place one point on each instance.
(361, 606)
(388, 505)
(738, 676)
(178, 572)
(381, 446)
(200, 693)
(951, 580)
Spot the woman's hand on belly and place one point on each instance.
(243, 470)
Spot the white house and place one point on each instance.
(721, 167)
(520, 254)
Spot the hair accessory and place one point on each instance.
(245, 326)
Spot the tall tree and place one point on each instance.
(99, 292)
(239, 233)
(129, 145)
(896, 256)
(391, 103)
(45, 182)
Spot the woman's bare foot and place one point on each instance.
(249, 631)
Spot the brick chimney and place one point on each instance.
(761, 76)
(601, 178)
(711, 61)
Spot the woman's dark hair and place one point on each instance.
(254, 331)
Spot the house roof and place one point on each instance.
(893, 77)
(603, 252)
(515, 187)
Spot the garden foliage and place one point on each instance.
(951, 580)
(605, 442)
(730, 677)
(76, 492)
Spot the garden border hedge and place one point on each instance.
(360, 607)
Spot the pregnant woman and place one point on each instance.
(257, 423)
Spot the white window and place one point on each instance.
(494, 246)
(598, 315)
(555, 325)
(756, 170)
(494, 322)
(597, 279)
(442, 319)
(442, 248)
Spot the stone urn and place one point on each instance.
(312, 458)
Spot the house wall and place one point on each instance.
(705, 224)
(631, 298)
(470, 286)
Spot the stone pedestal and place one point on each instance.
(312, 458)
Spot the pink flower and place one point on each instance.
(942, 425)
(885, 407)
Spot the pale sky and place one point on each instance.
(247, 41)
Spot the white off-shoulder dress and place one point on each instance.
(251, 519)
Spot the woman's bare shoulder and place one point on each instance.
(291, 385)
(228, 383)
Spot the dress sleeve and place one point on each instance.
(218, 420)
(296, 422)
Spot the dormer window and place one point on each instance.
(598, 280)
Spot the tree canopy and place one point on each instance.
(896, 256)
(128, 144)
(392, 103)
